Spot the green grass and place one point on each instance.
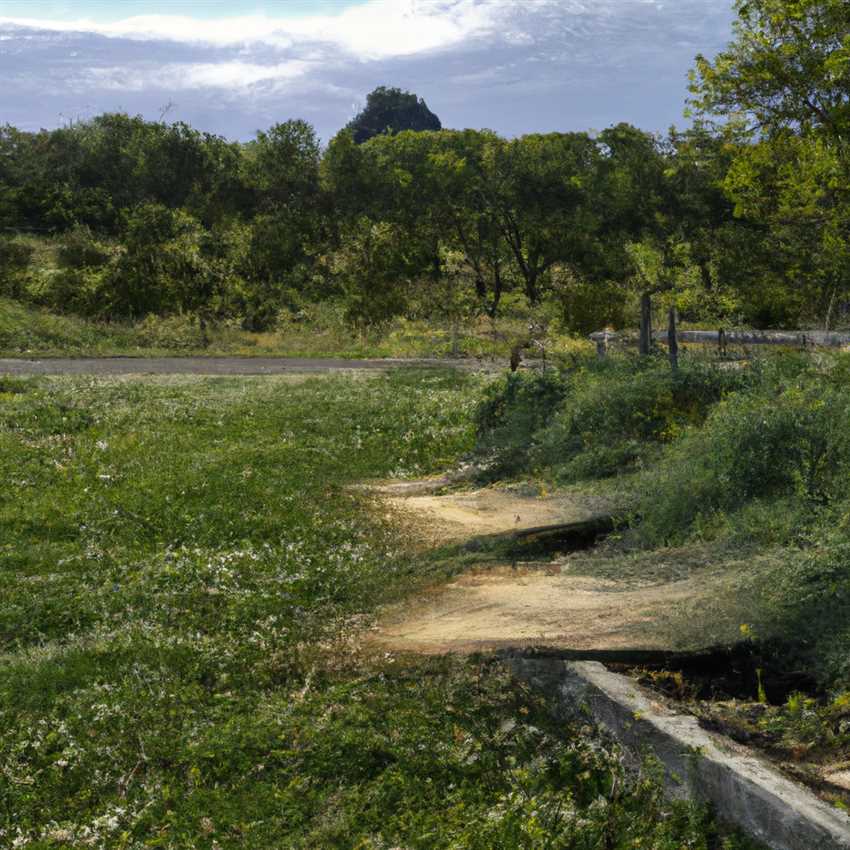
(186, 583)
(317, 331)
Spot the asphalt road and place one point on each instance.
(213, 365)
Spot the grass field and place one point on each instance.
(320, 331)
(187, 582)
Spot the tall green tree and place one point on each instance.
(788, 66)
(281, 172)
(391, 110)
(784, 83)
(541, 187)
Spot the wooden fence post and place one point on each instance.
(672, 340)
(645, 324)
(602, 345)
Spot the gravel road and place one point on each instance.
(215, 365)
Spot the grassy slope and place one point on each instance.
(31, 331)
(185, 577)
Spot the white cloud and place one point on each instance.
(378, 29)
(186, 76)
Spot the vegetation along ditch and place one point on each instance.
(711, 466)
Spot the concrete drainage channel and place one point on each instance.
(745, 789)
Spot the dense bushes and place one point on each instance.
(806, 605)
(775, 443)
(512, 412)
(597, 419)
(722, 441)
(781, 438)
(15, 256)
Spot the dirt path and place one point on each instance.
(505, 606)
(216, 365)
(457, 516)
(534, 603)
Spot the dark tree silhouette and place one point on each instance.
(391, 110)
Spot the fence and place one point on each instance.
(723, 338)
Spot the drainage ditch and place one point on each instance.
(697, 763)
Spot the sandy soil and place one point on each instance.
(454, 517)
(504, 606)
(527, 604)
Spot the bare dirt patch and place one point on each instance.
(507, 606)
(455, 517)
(539, 603)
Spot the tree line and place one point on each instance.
(743, 218)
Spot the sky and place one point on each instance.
(237, 66)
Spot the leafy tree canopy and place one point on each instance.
(788, 66)
(785, 83)
(391, 110)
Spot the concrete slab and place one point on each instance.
(745, 789)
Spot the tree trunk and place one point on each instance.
(645, 324)
(493, 308)
(829, 310)
(672, 340)
(202, 327)
(531, 287)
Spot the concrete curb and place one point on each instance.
(745, 790)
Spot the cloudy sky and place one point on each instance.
(235, 66)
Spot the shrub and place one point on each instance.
(803, 610)
(162, 270)
(785, 442)
(597, 420)
(79, 249)
(83, 291)
(15, 258)
(512, 411)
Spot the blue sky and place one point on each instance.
(236, 66)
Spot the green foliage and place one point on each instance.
(782, 439)
(391, 110)
(83, 291)
(162, 269)
(584, 306)
(81, 249)
(807, 606)
(15, 258)
(615, 415)
(512, 411)
(158, 218)
(370, 266)
(595, 420)
(789, 66)
(784, 83)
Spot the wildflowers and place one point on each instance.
(178, 662)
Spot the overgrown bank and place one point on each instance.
(313, 330)
(750, 461)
